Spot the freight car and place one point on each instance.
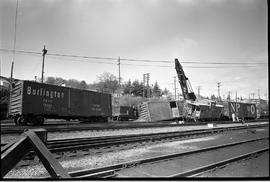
(194, 111)
(160, 110)
(240, 110)
(124, 113)
(31, 102)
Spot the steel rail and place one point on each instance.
(97, 142)
(206, 168)
(110, 171)
(79, 144)
(109, 126)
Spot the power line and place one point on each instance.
(140, 60)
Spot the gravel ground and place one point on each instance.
(104, 159)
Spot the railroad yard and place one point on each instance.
(95, 90)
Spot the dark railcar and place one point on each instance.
(32, 101)
(241, 110)
(124, 113)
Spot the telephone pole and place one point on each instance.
(259, 97)
(174, 87)
(11, 73)
(147, 79)
(218, 85)
(43, 55)
(144, 78)
(119, 78)
(199, 88)
(253, 95)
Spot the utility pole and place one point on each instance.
(236, 96)
(253, 95)
(11, 74)
(147, 79)
(199, 88)
(119, 78)
(229, 95)
(174, 87)
(144, 75)
(259, 97)
(43, 55)
(218, 85)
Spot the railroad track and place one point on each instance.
(11, 129)
(64, 145)
(147, 165)
(99, 142)
(126, 141)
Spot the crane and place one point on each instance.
(187, 91)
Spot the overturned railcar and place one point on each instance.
(31, 102)
(194, 111)
(160, 110)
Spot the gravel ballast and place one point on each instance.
(149, 150)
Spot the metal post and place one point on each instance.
(43, 55)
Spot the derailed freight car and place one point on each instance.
(239, 110)
(31, 102)
(160, 110)
(124, 113)
(195, 111)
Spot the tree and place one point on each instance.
(137, 88)
(165, 92)
(213, 97)
(83, 85)
(127, 87)
(50, 80)
(156, 90)
(107, 81)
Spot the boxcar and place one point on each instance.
(195, 111)
(241, 110)
(123, 113)
(160, 110)
(31, 102)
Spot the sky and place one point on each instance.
(197, 32)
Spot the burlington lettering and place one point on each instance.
(45, 93)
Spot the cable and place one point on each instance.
(85, 61)
(135, 60)
(76, 56)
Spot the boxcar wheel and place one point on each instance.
(39, 120)
(15, 119)
(20, 120)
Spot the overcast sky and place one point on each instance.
(219, 31)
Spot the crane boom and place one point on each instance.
(187, 91)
